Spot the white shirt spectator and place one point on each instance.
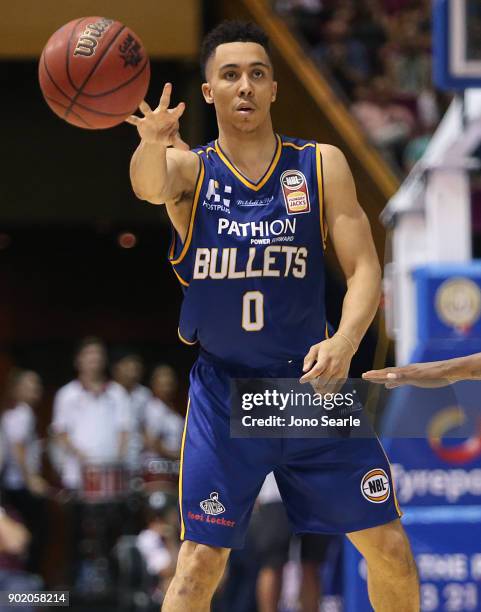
(153, 551)
(138, 399)
(163, 423)
(18, 427)
(93, 423)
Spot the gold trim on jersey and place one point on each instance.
(206, 151)
(182, 525)
(179, 278)
(241, 177)
(184, 340)
(396, 503)
(172, 244)
(185, 248)
(320, 191)
(294, 146)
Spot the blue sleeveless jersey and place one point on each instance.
(252, 264)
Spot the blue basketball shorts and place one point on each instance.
(327, 485)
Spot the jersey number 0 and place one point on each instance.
(253, 311)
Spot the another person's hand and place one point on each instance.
(428, 375)
(161, 125)
(326, 365)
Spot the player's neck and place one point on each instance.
(250, 152)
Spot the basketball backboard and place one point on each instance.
(457, 44)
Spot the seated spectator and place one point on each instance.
(408, 68)
(369, 27)
(306, 16)
(388, 125)
(378, 55)
(24, 488)
(344, 57)
(159, 542)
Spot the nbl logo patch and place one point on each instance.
(375, 486)
(296, 194)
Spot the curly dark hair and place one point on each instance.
(231, 31)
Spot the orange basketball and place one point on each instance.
(94, 72)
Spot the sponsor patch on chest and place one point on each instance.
(295, 192)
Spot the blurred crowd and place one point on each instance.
(105, 514)
(114, 445)
(377, 56)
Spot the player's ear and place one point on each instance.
(274, 91)
(207, 93)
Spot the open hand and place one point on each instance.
(427, 375)
(161, 125)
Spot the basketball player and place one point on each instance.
(429, 374)
(250, 213)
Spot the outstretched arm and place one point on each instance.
(163, 170)
(430, 374)
(352, 240)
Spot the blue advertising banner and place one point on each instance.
(447, 547)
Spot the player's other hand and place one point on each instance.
(161, 125)
(326, 365)
(427, 375)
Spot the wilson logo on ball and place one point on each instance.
(88, 41)
(94, 72)
(375, 486)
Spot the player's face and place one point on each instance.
(240, 84)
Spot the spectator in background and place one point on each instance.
(369, 27)
(163, 425)
(272, 536)
(91, 420)
(91, 425)
(159, 542)
(387, 124)
(128, 371)
(14, 541)
(24, 488)
(344, 57)
(307, 16)
(363, 41)
(408, 68)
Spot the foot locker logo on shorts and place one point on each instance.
(212, 505)
(375, 486)
(296, 194)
